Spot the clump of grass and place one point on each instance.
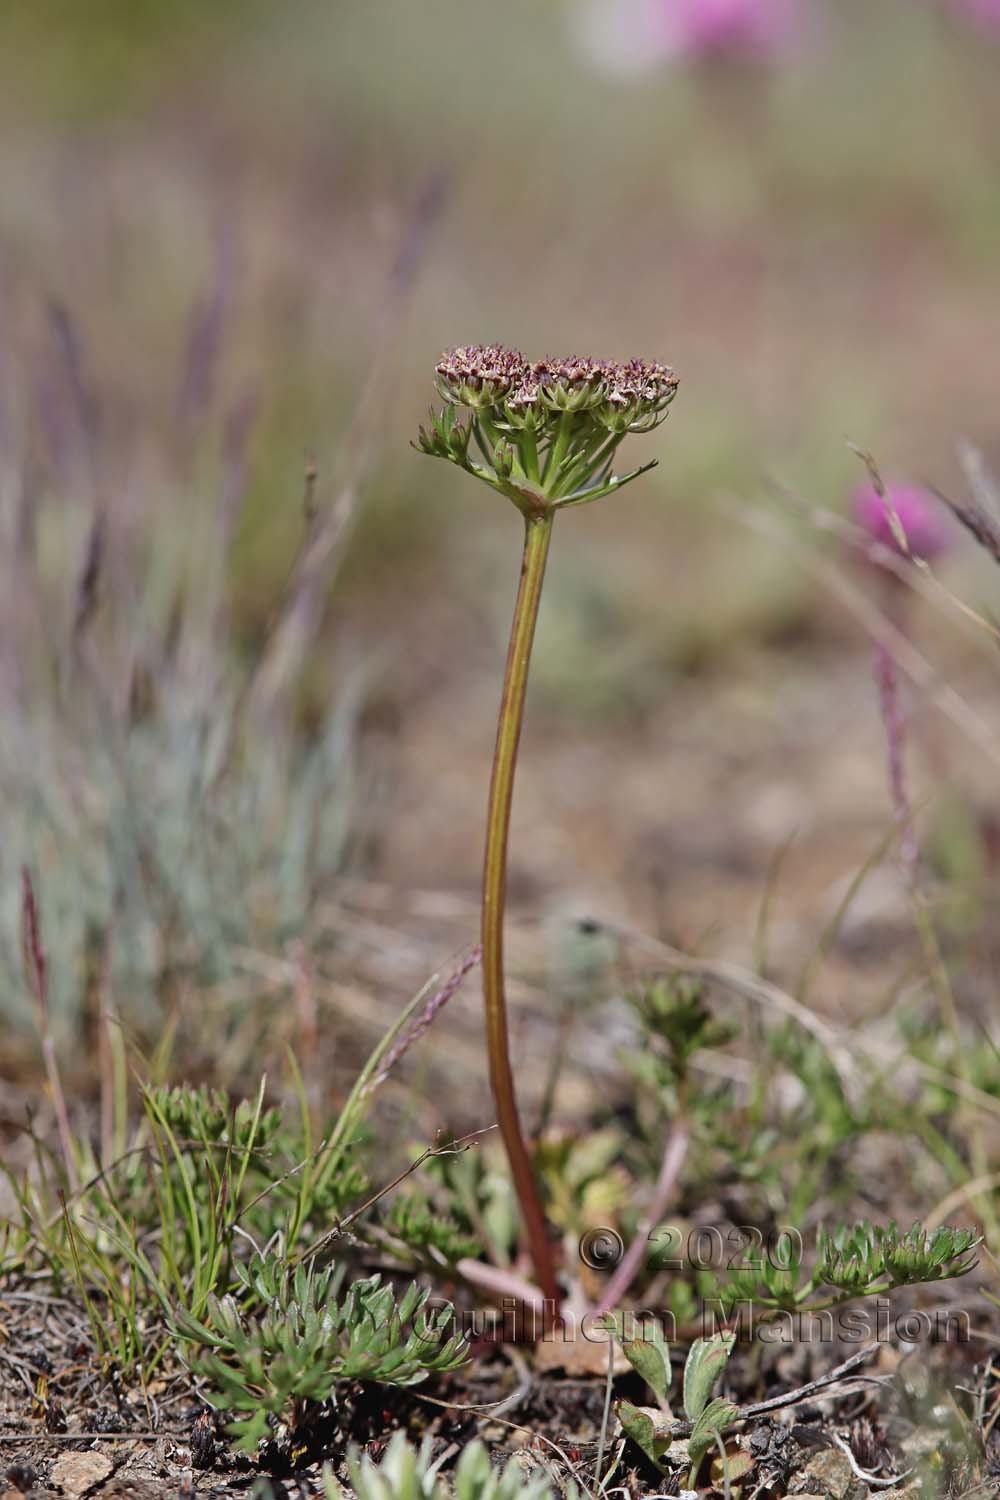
(204, 1241)
(181, 778)
(161, 1229)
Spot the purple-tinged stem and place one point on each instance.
(894, 724)
(670, 1168)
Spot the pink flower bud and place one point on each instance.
(758, 28)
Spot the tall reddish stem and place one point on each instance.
(538, 533)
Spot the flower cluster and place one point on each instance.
(621, 397)
(546, 429)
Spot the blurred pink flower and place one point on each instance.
(632, 36)
(983, 13)
(924, 524)
(764, 28)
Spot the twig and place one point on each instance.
(451, 1148)
(791, 1398)
(92, 1437)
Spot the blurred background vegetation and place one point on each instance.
(233, 239)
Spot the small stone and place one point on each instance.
(76, 1474)
(829, 1475)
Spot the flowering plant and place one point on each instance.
(544, 433)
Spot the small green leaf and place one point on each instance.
(716, 1415)
(705, 1363)
(650, 1358)
(639, 1424)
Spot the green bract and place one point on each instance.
(545, 431)
(856, 1258)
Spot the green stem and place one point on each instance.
(529, 455)
(537, 535)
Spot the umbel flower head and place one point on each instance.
(543, 432)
